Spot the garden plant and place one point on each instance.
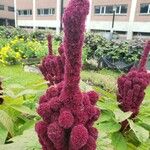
(68, 114)
(131, 87)
(52, 66)
(84, 106)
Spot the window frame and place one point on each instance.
(11, 8)
(110, 7)
(50, 11)
(29, 12)
(120, 8)
(104, 7)
(148, 11)
(2, 7)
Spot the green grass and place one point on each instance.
(103, 78)
(16, 75)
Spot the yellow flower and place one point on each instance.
(18, 56)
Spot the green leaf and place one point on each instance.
(3, 134)
(27, 141)
(104, 142)
(7, 122)
(141, 133)
(108, 104)
(13, 101)
(118, 141)
(144, 146)
(109, 126)
(15, 86)
(27, 92)
(24, 110)
(121, 116)
(9, 93)
(131, 146)
(106, 115)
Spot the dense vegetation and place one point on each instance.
(21, 91)
(17, 46)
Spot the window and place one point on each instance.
(1, 7)
(118, 9)
(10, 8)
(124, 9)
(46, 11)
(109, 9)
(121, 9)
(27, 12)
(53, 10)
(97, 9)
(104, 10)
(145, 9)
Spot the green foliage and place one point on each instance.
(27, 141)
(3, 134)
(21, 101)
(118, 141)
(137, 138)
(141, 133)
(11, 32)
(92, 41)
(16, 113)
(103, 80)
(18, 49)
(7, 122)
(97, 47)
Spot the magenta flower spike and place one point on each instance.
(49, 39)
(131, 87)
(69, 114)
(52, 66)
(1, 94)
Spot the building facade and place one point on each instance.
(132, 17)
(7, 15)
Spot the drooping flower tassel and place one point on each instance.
(68, 114)
(131, 86)
(52, 67)
(1, 94)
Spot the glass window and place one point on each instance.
(30, 12)
(117, 9)
(10, 8)
(38, 11)
(97, 10)
(19, 12)
(1, 7)
(53, 10)
(102, 9)
(46, 11)
(25, 12)
(123, 9)
(109, 9)
(144, 8)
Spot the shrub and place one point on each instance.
(17, 49)
(127, 51)
(11, 32)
